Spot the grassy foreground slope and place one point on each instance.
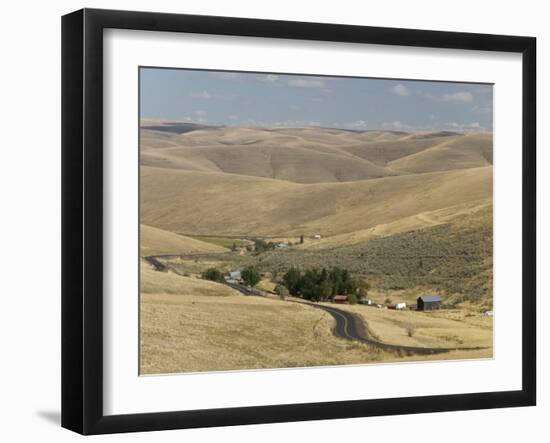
(188, 324)
(155, 282)
(155, 241)
(194, 333)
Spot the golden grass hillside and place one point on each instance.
(155, 282)
(214, 203)
(469, 151)
(445, 329)
(155, 241)
(273, 156)
(309, 155)
(414, 222)
(189, 324)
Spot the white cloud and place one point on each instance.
(484, 109)
(465, 127)
(294, 123)
(226, 75)
(458, 97)
(306, 83)
(204, 95)
(399, 90)
(233, 117)
(396, 125)
(198, 119)
(270, 78)
(358, 124)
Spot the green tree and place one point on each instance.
(325, 290)
(251, 276)
(260, 245)
(309, 285)
(335, 276)
(291, 280)
(360, 287)
(212, 274)
(281, 290)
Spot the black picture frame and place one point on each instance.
(82, 218)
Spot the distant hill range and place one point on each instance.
(309, 155)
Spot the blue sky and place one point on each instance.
(252, 99)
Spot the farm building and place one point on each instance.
(317, 237)
(281, 245)
(233, 277)
(428, 302)
(400, 306)
(340, 299)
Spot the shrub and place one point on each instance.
(281, 290)
(212, 274)
(352, 299)
(411, 329)
(251, 276)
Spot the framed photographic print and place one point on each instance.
(270, 221)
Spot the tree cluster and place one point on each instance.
(321, 285)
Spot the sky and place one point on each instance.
(223, 98)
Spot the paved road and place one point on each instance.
(155, 263)
(350, 326)
(244, 289)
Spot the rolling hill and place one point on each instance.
(309, 155)
(214, 203)
(155, 241)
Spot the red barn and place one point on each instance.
(340, 299)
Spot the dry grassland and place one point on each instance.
(155, 241)
(185, 201)
(444, 329)
(191, 333)
(154, 282)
